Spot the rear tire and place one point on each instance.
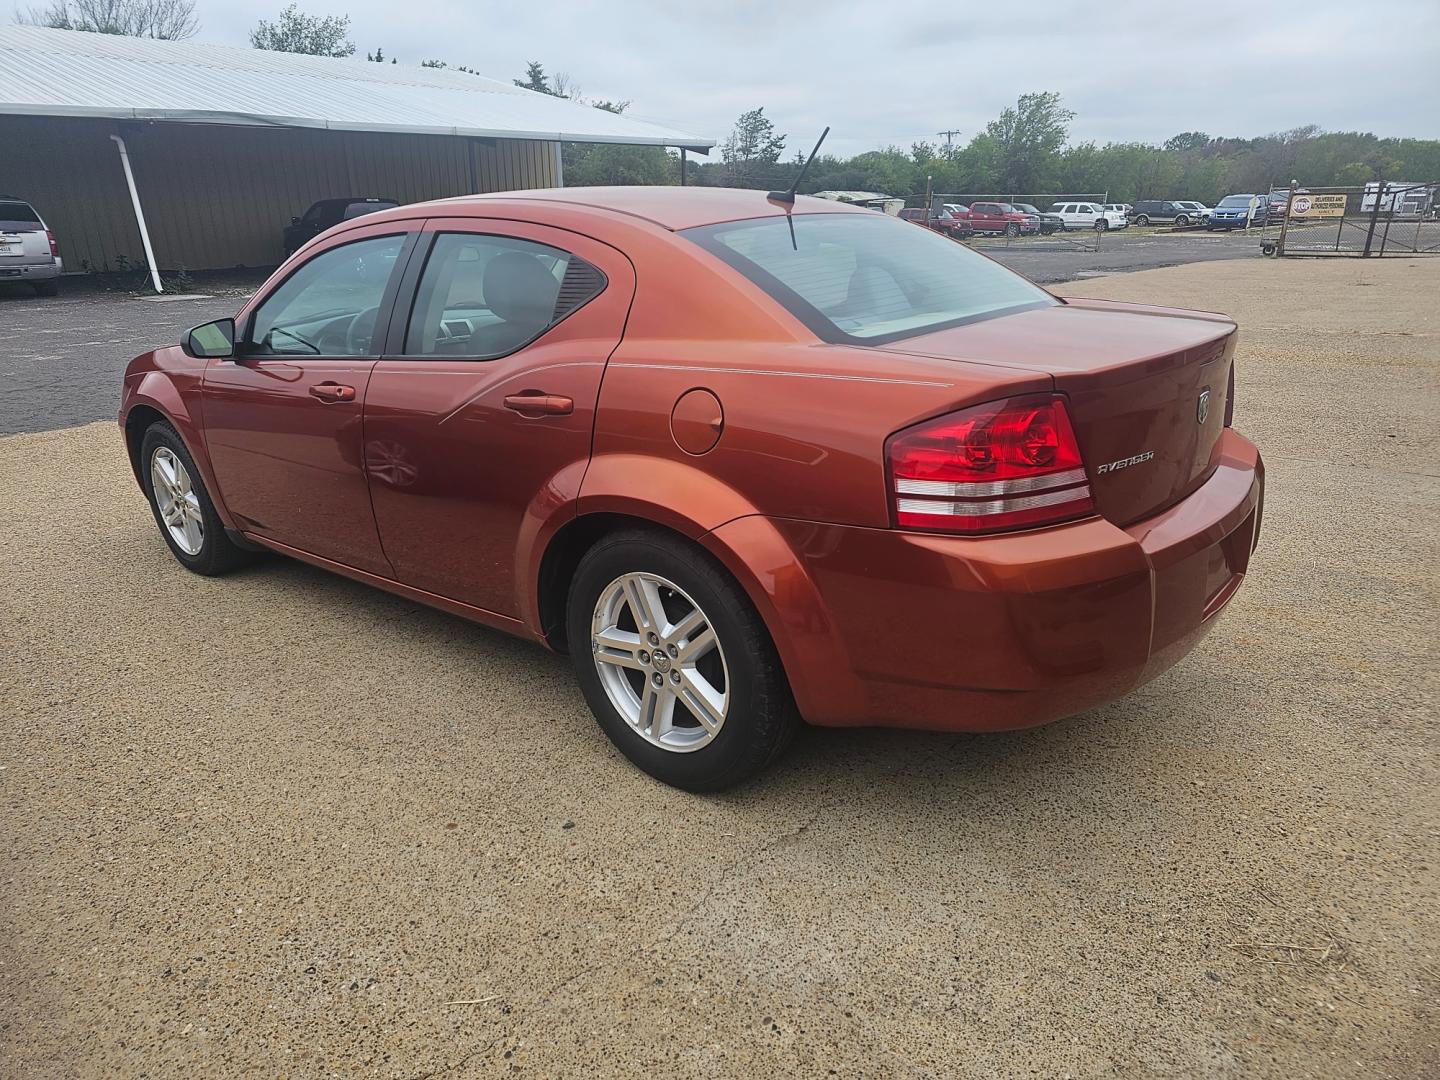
(710, 648)
(46, 288)
(1142, 220)
(1181, 221)
(1012, 230)
(1102, 225)
(186, 517)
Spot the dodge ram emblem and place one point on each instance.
(1202, 407)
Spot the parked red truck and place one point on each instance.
(999, 217)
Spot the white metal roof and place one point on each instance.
(46, 72)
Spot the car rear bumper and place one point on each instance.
(38, 271)
(916, 630)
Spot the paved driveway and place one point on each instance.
(280, 824)
(61, 358)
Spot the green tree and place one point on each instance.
(536, 79)
(1187, 141)
(167, 20)
(378, 56)
(604, 164)
(753, 148)
(1354, 174)
(1027, 139)
(296, 32)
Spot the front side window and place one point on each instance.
(484, 296)
(329, 306)
(858, 279)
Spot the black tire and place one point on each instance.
(761, 717)
(1103, 225)
(1181, 221)
(1143, 219)
(217, 554)
(46, 288)
(1012, 230)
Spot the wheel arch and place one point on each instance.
(768, 569)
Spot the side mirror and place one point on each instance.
(211, 340)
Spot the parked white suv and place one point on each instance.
(1089, 215)
(28, 252)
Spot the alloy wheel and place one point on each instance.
(660, 662)
(177, 501)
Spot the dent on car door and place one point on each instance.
(283, 419)
(478, 421)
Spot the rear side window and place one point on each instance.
(485, 296)
(853, 278)
(18, 216)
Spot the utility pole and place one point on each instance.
(948, 136)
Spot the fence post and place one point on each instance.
(1285, 221)
(1374, 214)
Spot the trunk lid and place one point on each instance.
(1146, 389)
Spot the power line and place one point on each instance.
(948, 136)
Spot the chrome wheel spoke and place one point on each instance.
(645, 606)
(702, 699)
(620, 648)
(696, 647)
(657, 712)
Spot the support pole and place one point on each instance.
(1285, 221)
(1374, 214)
(684, 167)
(139, 213)
(559, 164)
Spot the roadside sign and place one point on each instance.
(1318, 206)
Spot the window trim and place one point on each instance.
(408, 230)
(403, 312)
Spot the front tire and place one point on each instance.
(183, 511)
(1012, 230)
(675, 662)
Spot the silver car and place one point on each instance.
(28, 252)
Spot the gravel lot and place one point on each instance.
(283, 825)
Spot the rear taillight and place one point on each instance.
(54, 247)
(1005, 465)
(1230, 397)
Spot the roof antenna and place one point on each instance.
(789, 196)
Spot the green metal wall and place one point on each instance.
(217, 197)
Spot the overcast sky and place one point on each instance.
(897, 71)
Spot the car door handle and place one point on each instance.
(539, 403)
(330, 392)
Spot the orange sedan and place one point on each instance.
(746, 461)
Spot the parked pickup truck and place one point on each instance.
(999, 217)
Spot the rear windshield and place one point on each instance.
(18, 217)
(866, 280)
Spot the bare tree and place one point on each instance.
(169, 20)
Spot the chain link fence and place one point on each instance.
(1361, 221)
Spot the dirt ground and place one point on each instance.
(281, 825)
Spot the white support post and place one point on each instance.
(139, 214)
